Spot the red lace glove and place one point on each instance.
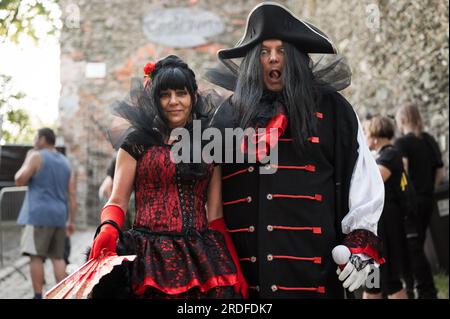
(241, 287)
(106, 240)
(266, 141)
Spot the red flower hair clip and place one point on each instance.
(148, 69)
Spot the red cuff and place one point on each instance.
(114, 213)
(219, 225)
(362, 241)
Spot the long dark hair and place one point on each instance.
(173, 73)
(299, 93)
(148, 125)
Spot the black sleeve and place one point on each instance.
(435, 151)
(222, 119)
(224, 116)
(111, 168)
(402, 145)
(133, 148)
(346, 151)
(390, 159)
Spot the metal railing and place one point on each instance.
(11, 199)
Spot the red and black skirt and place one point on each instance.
(188, 265)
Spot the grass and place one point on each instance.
(441, 282)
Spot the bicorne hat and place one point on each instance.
(270, 20)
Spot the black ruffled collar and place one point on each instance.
(268, 107)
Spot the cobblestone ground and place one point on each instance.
(10, 239)
(17, 284)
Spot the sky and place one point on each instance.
(35, 72)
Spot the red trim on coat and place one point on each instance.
(369, 251)
(241, 200)
(242, 171)
(216, 281)
(309, 167)
(317, 197)
(320, 289)
(239, 230)
(315, 230)
(316, 260)
(314, 139)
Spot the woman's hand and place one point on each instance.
(105, 242)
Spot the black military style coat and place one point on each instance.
(285, 225)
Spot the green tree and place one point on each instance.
(18, 17)
(17, 124)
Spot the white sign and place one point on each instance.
(181, 27)
(95, 70)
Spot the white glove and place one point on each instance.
(352, 278)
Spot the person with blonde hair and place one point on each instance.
(379, 131)
(423, 162)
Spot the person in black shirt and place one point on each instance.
(379, 132)
(423, 162)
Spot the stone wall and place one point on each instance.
(398, 51)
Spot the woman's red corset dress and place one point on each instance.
(176, 250)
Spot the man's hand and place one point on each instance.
(70, 228)
(353, 269)
(354, 273)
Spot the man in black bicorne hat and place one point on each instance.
(326, 189)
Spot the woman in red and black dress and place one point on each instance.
(182, 247)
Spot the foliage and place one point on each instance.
(30, 18)
(17, 124)
(19, 17)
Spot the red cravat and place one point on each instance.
(265, 140)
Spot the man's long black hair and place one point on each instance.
(299, 93)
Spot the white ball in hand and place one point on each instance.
(341, 254)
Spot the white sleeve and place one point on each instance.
(366, 195)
